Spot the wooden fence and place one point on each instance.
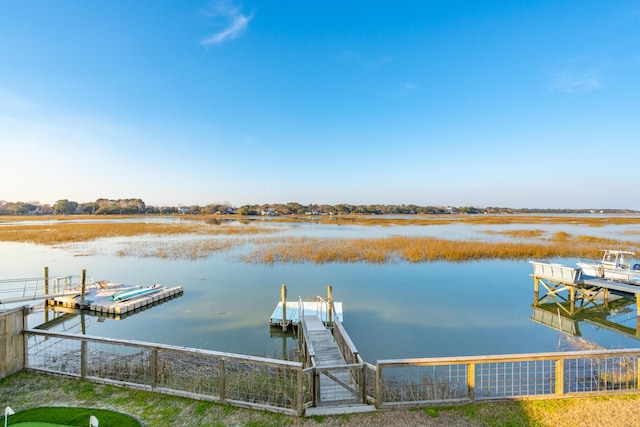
(286, 387)
(517, 376)
(240, 380)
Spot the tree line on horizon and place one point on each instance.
(138, 207)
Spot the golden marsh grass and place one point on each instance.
(65, 232)
(422, 249)
(522, 244)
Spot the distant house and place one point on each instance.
(182, 210)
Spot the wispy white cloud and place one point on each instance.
(570, 82)
(235, 23)
(404, 89)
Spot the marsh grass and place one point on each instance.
(423, 249)
(517, 234)
(173, 250)
(201, 237)
(51, 234)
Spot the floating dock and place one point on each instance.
(290, 313)
(294, 311)
(116, 299)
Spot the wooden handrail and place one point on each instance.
(507, 357)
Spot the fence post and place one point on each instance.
(223, 381)
(560, 376)
(25, 338)
(471, 380)
(315, 386)
(378, 386)
(83, 358)
(363, 383)
(300, 400)
(154, 368)
(637, 367)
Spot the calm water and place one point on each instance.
(394, 310)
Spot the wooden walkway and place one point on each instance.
(336, 390)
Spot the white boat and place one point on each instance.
(615, 265)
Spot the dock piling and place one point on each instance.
(283, 294)
(83, 280)
(329, 304)
(46, 280)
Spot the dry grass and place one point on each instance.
(425, 249)
(525, 244)
(517, 234)
(191, 250)
(65, 232)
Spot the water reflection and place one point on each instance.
(616, 313)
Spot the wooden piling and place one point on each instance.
(283, 294)
(46, 280)
(329, 305)
(46, 292)
(83, 280)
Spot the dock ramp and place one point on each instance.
(338, 387)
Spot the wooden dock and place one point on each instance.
(569, 297)
(557, 278)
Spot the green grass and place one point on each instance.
(72, 417)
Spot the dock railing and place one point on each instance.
(34, 288)
(556, 272)
(359, 369)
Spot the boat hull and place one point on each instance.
(605, 272)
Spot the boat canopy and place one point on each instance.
(617, 258)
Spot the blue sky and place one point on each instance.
(532, 104)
